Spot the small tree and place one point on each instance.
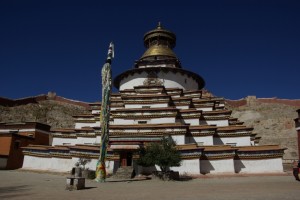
(164, 154)
(83, 161)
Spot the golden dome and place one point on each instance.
(159, 42)
(158, 50)
(160, 34)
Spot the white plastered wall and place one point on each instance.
(64, 141)
(183, 107)
(158, 105)
(193, 121)
(205, 109)
(214, 122)
(98, 139)
(179, 139)
(207, 140)
(163, 120)
(86, 140)
(222, 166)
(96, 112)
(239, 141)
(273, 165)
(188, 167)
(61, 164)
(36, 163)
(169, 80)
(79, 125)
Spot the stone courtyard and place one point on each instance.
(32, 185)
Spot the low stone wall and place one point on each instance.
(43, 97)
(56, 164)
(252, 100)
(236, 103)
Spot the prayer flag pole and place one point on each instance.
(104, 115)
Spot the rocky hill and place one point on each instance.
(48, 108)
(272, 119)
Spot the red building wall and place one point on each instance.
(11, 143)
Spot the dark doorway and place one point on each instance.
(126, 159)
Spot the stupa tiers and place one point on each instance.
(158, 98)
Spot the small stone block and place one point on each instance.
(75, 183)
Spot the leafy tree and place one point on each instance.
(164, 154)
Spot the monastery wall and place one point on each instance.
(183, 107)
(62, 164)
(36, 99)
(216, 166)
(79, 125)
(192, 122)
(238, 141)
(214, 122)
(179, 139)
(154, 105)
(74, 141)
(162, 120)
(205, 109)
(236, 103)
(64, 141)
(252, 100)
(273, 165)
(206, 140)
(191, 166)
(87, 140)
(36, 163)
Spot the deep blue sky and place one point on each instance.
(240, 48)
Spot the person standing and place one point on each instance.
(296, 169)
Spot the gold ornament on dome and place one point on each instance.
(152, 79)
(159, 50)
(159, 42)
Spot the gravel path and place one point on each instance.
(31, 185)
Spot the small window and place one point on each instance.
(30, 135)
(200, 143)
(66, 143)
(146, 106)
(142, 122)
(231, 144)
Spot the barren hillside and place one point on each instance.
(57, 114)
(273, 121)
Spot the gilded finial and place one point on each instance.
(159, 25)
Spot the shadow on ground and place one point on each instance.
(185, 178)
(128, 180)
(14, 191)
(87, 188)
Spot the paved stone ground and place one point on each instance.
(32, 185)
